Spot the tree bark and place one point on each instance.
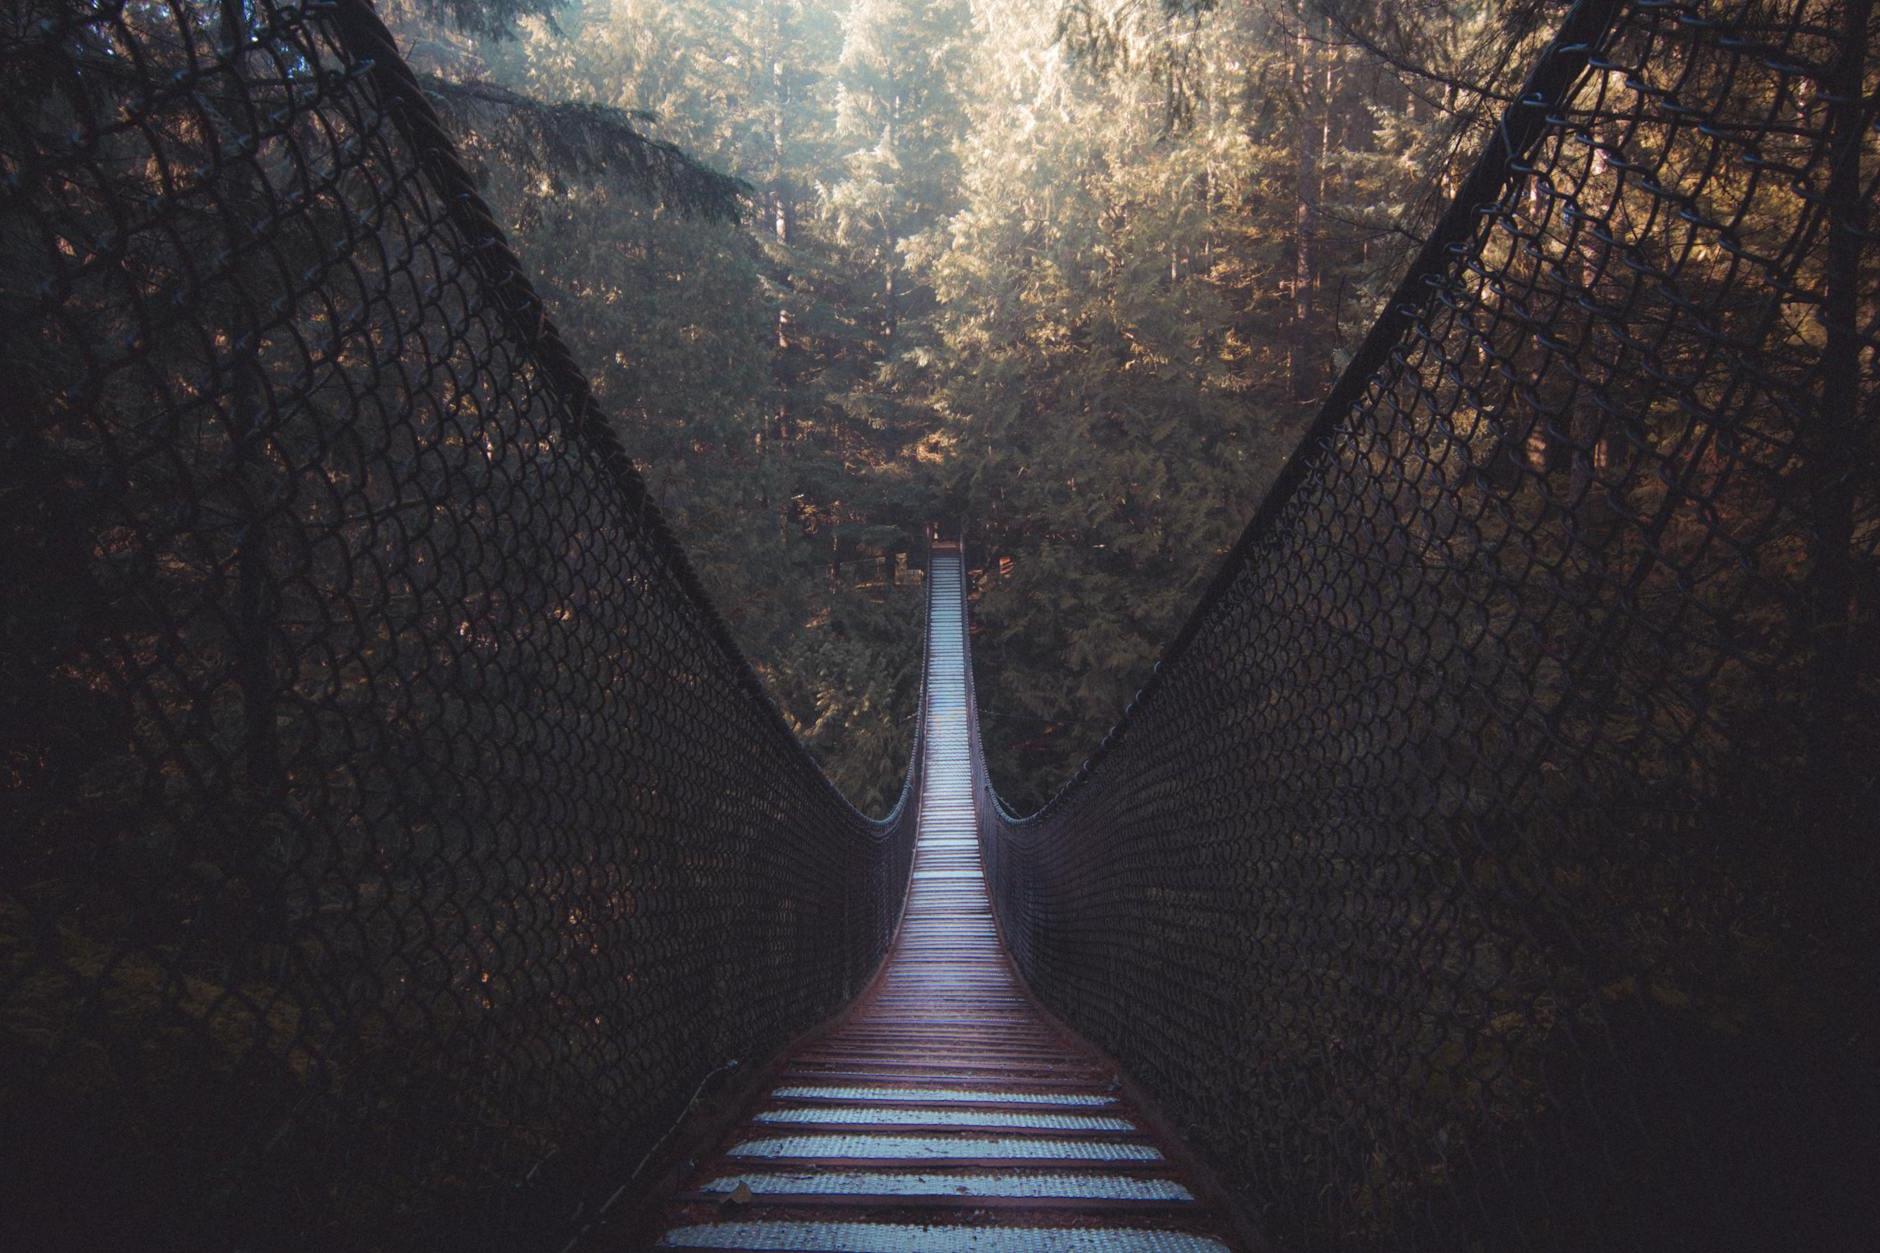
(1309, 133)
(1834, 459)
(783, 215)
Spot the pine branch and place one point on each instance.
(583, 140)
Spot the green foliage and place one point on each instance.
(1074, 275)
(565, 140)
(492, 19)
(1133, 330)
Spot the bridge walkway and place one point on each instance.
(944, 1111)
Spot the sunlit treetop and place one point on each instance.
(496, 19)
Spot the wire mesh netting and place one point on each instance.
(1490, 863)
(393, 841)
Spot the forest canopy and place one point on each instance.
(1073, 273)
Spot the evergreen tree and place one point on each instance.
(1073, 273)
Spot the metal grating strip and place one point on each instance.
(882, 1183)
(990, 1096)
(928, 1148)
(869, 1115)
(906, 1238)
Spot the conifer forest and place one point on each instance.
(1077, 272)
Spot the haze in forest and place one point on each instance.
(1073, 273)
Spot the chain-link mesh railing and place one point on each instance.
(393, 841)
(1490, 864)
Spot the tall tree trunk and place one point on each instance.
(890, 294)
(783, 210)
(257, 489)
(1586, 272)
(247, 401)
(1836, 446)
(1309, 133)
(891, 231)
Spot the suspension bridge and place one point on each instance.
(944, 1105)
(399, 853)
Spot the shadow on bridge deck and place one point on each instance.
(945, 1110)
